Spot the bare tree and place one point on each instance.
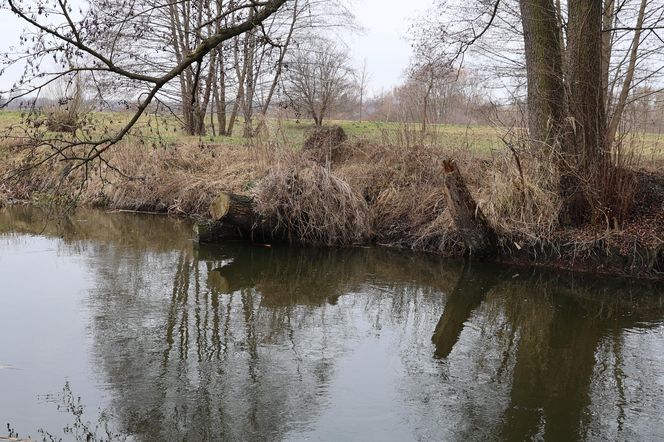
(318, 77)
(85, 40)
(362, 78)
(583, 62)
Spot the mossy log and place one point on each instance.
(477, 234)
(233, 216)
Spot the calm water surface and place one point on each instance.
(121, 323)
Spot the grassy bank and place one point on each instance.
(384, 186)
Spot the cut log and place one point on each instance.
(215, 231)
(233, 217)
(237, 210)
(477, 234)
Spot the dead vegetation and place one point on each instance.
(180, 179)
(313, 206)
(325, 144)
(389, 191)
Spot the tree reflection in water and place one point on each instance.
(248, 342)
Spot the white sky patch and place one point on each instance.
(384, 43)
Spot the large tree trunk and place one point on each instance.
(586, 95)
(546, 88)
(570, 121)
(477, 234)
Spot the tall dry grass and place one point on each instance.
(177, 179)
(388, 190)
(312, 205)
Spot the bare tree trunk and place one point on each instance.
(220, 93)
(280, 62)
(546, 89)
(552, 109)
(241, 74)
(607, 47)
(614, 122)
(586, 98)
(249, 79)
(425, 110)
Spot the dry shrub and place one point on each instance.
(64, 121)
(312, 205)
(404, 188)
(326, 137)
(617, 184)
(522, 204)
(324, 144)
(180, 179)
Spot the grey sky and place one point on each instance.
(383, 43)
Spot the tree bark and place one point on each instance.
(546, 88)
(233, 217)
(586, 96)
(570, 121)
(477, 234)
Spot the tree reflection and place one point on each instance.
(555, 328)
(469, 293)
(245, 342)
(249, 335)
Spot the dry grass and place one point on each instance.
(312, 205)
(387, 190)
(180, 179)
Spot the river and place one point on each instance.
(121, 326)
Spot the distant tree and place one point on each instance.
(318, 77)
(62, 39)
(362, 82)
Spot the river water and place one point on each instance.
(120, 325)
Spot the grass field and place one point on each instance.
(166, 130)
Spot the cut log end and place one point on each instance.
(220, 205)
(233, 217)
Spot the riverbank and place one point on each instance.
(387, 191)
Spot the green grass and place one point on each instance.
(166, 130)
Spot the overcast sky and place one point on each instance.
(383, 45)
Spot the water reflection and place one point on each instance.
(265, 343)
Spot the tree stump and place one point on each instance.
(477, 234)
